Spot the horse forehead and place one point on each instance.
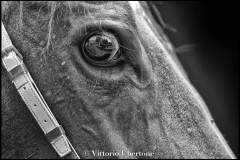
(97, 4)
(118, 6)
(115, 10)
(118, 10)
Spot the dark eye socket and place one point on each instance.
(101, 49)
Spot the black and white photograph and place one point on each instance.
(119, 80)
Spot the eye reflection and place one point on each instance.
(101, 49)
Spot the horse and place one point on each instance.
(111, 78)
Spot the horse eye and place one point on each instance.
(101, 49)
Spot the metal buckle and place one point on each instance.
(6, 51)
(18, 69)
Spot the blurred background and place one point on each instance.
(211, 59)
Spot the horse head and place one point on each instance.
(111, 78)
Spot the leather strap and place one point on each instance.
(12, 61)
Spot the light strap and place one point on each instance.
(12, 61)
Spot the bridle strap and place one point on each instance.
(12, 61)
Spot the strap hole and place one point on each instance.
(35, 105)
(24, 88)
(45, 120)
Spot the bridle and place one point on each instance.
(18, 73)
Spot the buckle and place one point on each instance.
(9, 49)
(15, 67)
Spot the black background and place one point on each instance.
(213, 64)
